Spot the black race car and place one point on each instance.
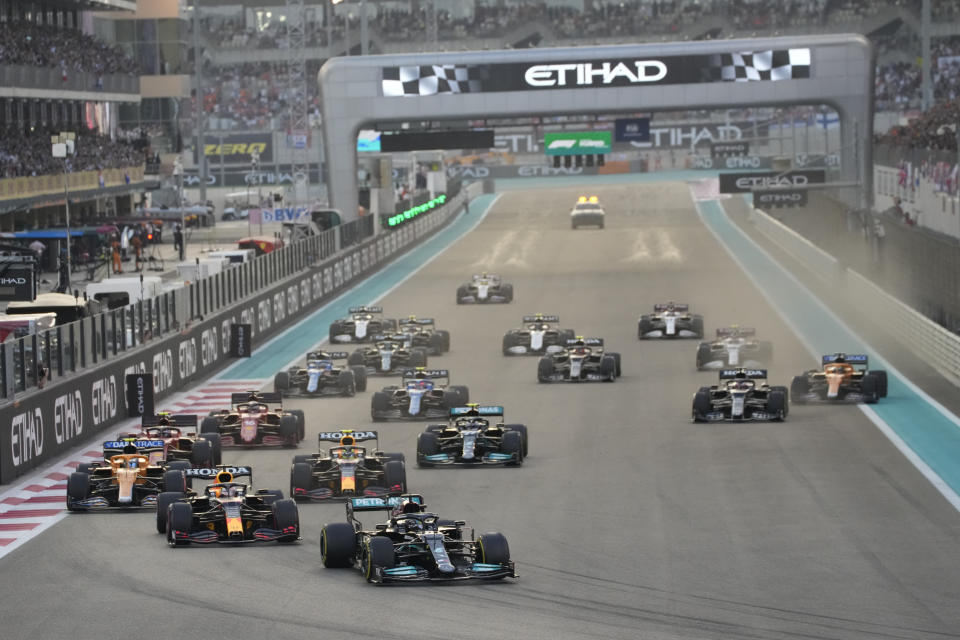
(228, 512)
(734, 347)
(583, 360)
(252, 422)
(842, 378)
(538, 335)
(741, 396)
(484, 288)
(423, 333)
(387, 355)
(470, 439)
(422, 393)
(320, 377)
(413, 545)
(670, 320)
(347, 470)
(361, 325)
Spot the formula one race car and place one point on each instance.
(361, 325)
(387, 355)
(470, 439)
(540, 334)
(740, 397)
(127, 480)
(347, 470)
(583, 360)
(423, 333)
(179, 438)
(484, 288)
(843, 378)
(413, 545)
(321, 378)
(734, 347)
(670, 320)
(228, 512)
(587, 212)
(251, 422)
(419, 395)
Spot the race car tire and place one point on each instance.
(379, 553)
(799, 388)
(418, 357)
(703, 355)
(544, 369)
(201, 455)
(347, 383)
(446, 339)
(289, 429)
(881, 377)
(608, 368)
(461, 395)
(164, 500)
(492, 548)
(178, 465)
(696, 325)
(616, 359)
(644, 326)
(356, 359)
(281, 382)
(436, 344)
(869, 386)
(301, 422)
(338, 544)
(786, 398)
(379, 404)
(462, 292)
(175, 480)
(286, 515)
(85, 467)
(512, 443)
(777, 404)
(269, 496)
(427, 445)
(210, 424)
(396, 456)
(78, 488)
(509, 340)
(179, 518)
(395, 474)
(701, 405)
(301, 477)
(507, 291)
(359, 378)
(335, 330)
(216, 446)
(524, 436)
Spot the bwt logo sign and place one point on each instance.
(26, 436)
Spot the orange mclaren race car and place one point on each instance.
(842, 378)
(128, 480)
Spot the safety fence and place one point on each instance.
(931, 342)
(86, 392)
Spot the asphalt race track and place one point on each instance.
(626, 521)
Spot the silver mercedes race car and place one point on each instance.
(361, 325)
(539, 334)
(670, 320)
(485, 288)
(734, 347)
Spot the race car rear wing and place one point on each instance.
(431, 374)
(117, 446)
(856, 359)
(489, 276)
(179, 420)
(723, 332)
(416, 321)
(385, 503)
(663, 306)
(752, 374)
(481, 410)
(539, 318)
(365, 309)
(267, 397)
(358, 436)
(327, 355)
(211, 473)
(589, 342)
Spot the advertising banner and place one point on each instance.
(731, 162)
(727, 149)
(139, 394)
(632, 129)
(768, 180)
(240, 341)
(780, 198)
(236, 148)
(483, 171)
(577, 143)
(696, 134)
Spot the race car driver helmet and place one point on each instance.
(348, 453)
(580, 350)
(253, 407)
(741, 385)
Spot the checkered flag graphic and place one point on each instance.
(428, 80)
(784, 64)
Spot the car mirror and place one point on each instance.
(381, 527)
(460, 523)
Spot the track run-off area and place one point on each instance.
(626, 521)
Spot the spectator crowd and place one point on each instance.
(24, 43)
(23, 154)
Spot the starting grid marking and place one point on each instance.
(39, 500)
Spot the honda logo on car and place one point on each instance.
(588, 73)
(336, 435)
(212, 473)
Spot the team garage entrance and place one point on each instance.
(834, 70)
